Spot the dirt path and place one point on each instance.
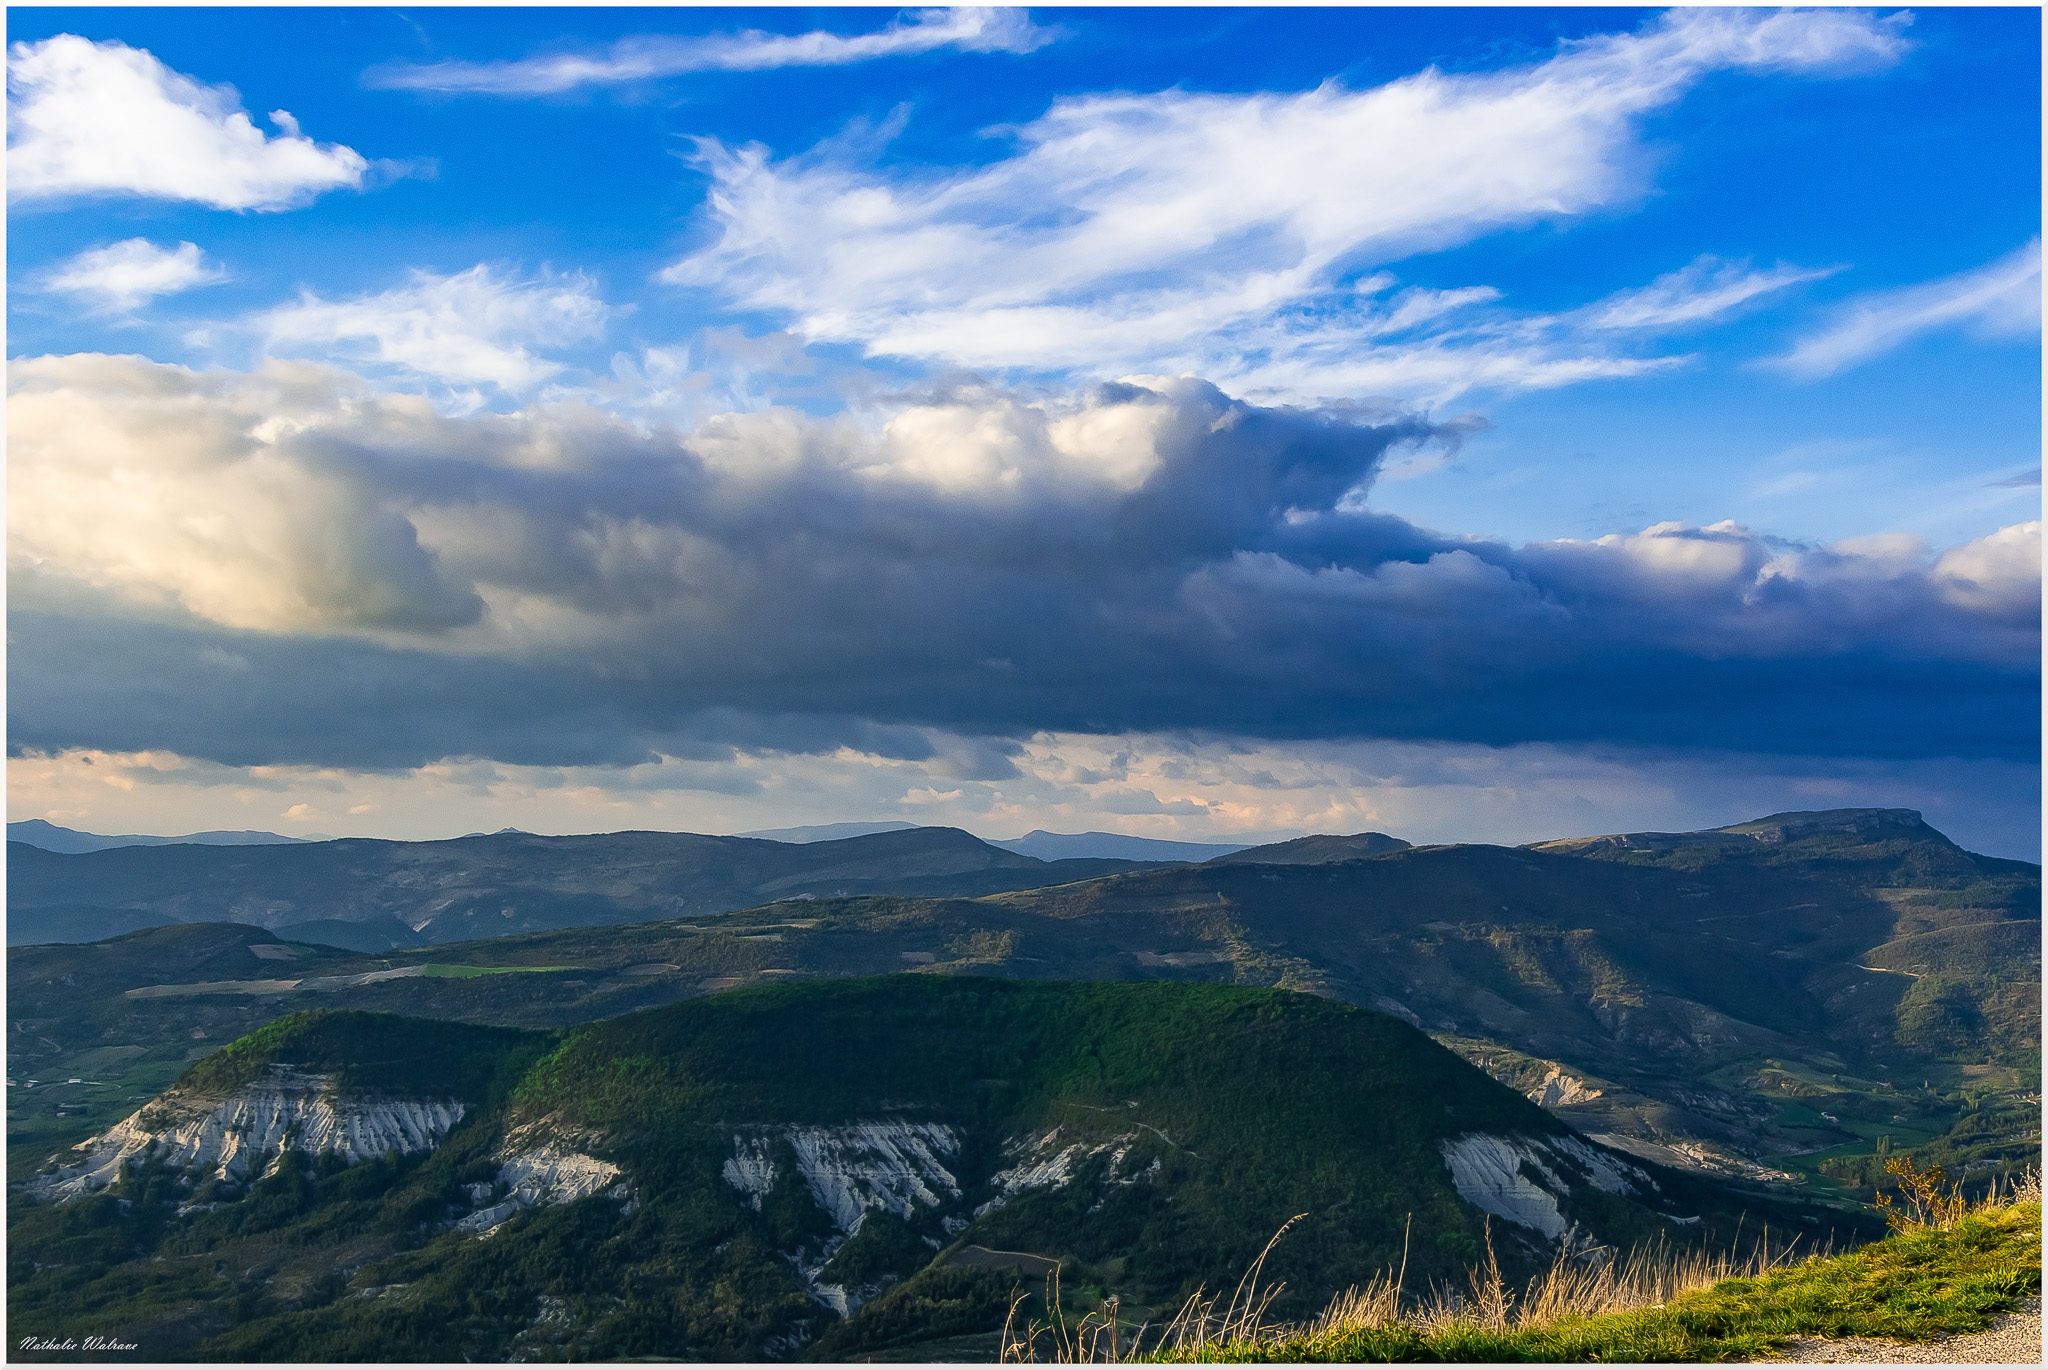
(2014, 1339)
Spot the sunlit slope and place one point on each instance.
(1963, 929)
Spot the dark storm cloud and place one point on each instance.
(567, 588)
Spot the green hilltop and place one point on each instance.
(1148, 1137)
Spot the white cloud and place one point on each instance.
(2001, 300)
(1998, 572)
(161, 490)
(475, 327)
(1214, 233)
(87, 118)
(1708, 289)
(972, 29)
(124, 276)
(1181, 543)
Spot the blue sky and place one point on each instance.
(1483, 424)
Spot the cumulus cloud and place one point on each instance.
(557, 585)
(475, 327)
(159, 488)
(86, 118)
(122, 277)
(1223, 233)
(2000, 301)
(649, 57)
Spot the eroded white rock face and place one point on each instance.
(538, 1174)
(211, 1136)
(1043, 1163)
(1560, 1090)
(852, 1170)
(1607, 1171)
(856, 1168)
(864, 1166)
(752, 1169)
(1488, 1174)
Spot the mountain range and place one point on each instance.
(1046, 846)
(370, 895)
(41, 833)
(1768, 998)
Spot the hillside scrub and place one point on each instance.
(1947, 1269)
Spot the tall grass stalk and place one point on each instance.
(1576, 1286)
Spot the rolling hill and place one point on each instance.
(375, 895)
(37, 832)
(1751, 1004)
(833, 1169)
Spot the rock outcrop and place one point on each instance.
(232, 1136)
(539, 1174)
(1517, 1178)
(851, 1170)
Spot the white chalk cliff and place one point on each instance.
(227, 1137)
(1489, 1173)
(541, 1173)
(852, 1170)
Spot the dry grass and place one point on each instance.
(1575, 1286)
(1576, 1289)
(1100, 1336)
(1922, 1204)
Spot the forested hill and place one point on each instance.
(840, 1168)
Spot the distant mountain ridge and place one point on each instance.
(1772, 830)
(827, 832)
(37, 832)
(369, 894)
(1051, 846)
(1319, 850)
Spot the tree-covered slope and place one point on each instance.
(725, 1177)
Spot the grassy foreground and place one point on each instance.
(1921, 1282)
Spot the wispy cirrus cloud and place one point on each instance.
(124, 276)
(484, 326)
(86, 118)
(2001, 300)
(650, 57)
(1708, 290)
(1431, 346)
(1225, 234)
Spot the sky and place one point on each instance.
(1467, 424)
